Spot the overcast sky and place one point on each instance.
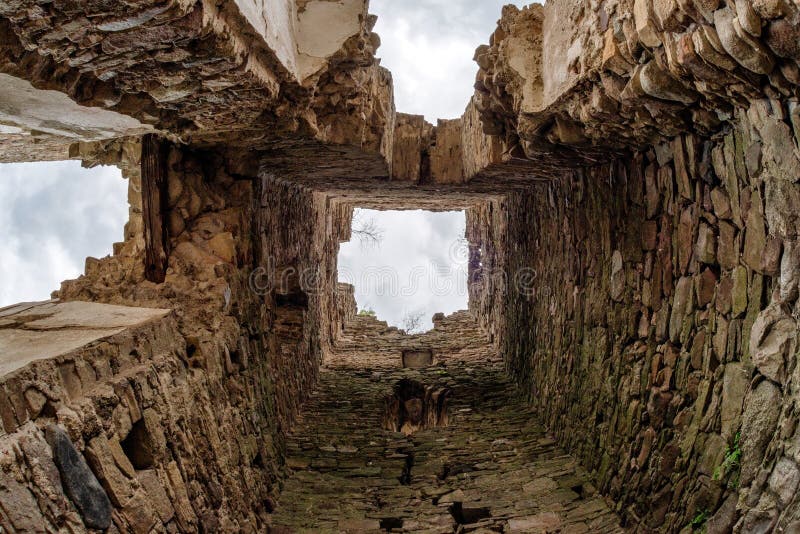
(418, 266)
(428, 45)
(52, 216)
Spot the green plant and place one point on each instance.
(698, 524)
(368, 312)
(731, 463)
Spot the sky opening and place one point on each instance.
(411, 264)
(52, 216)
(428, 45)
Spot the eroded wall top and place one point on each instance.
(596, 77)
(254, 72)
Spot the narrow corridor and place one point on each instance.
(492, 468)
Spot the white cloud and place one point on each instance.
(52, 216)
(428, 45)
(418, 266)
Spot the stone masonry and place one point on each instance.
(491, 468)
(629, 173)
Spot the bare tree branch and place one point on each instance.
(366, 230)
(412, 322)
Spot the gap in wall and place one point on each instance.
(407, 265)
(53, 215)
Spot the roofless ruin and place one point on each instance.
(629, 172)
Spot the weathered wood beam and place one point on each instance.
(154, 207)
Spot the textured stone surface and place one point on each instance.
(569, 77)
(628, 171)
(203, 71)
(37, 331)
(79, 482)
(366, 341)
(491, 467)
(649, 342)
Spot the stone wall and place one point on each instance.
(487, 249)
(452, 152)
(169, 434)
(630, 173)
(576, 82)
(219, 387)
(658, 336)
(248, 72)
(366, 342)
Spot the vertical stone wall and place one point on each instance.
(300, 283)
(658, 339)
(169, 439)
(222, 381)
(366, 342)
(486, 235)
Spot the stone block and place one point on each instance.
(682, 306)
(80, 483)
(784, 480)
(746, 50)
(157, 495)
(705, 287)
(544, 522)
(706, 247)
(117, 484)
(773, 342)
(739, 291)
(735, 383)
(761, 409)
(417, 359)
(645, 27)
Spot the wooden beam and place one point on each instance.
(154, 207)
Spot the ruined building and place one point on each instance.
(629, 170)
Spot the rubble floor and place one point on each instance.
(493, 468)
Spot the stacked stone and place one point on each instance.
(367, 342)
(241, 365)
(623, 74)
(452, 152)
(492, 468)
(664, 313)
(197, 70)
(122, 433)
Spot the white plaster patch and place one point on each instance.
(562, 45)
(322, 28)
(274, 21)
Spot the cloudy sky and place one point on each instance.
(428, 45)
(418, 267)
(54, 215)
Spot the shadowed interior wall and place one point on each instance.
(635, 342)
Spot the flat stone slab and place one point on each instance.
(41, 330)
(417, 359)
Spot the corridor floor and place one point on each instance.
(492, 468)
